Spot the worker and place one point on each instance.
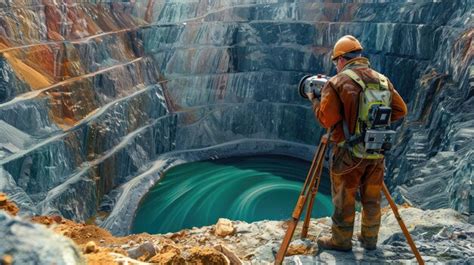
(344, 105)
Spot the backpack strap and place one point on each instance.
(383, 81)
(352, 140)
(354, 76)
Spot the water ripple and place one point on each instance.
(249, 189)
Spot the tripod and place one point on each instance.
(308, 194)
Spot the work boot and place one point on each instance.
(365, 244)
(328, 243)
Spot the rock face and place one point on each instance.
(97, 99)
(30, 243)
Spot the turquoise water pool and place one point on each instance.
(242, 188)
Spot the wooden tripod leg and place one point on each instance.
(307, 218)
(402, 225)
(314, 190)
(309, 209)
(302, 199)
(311, 171)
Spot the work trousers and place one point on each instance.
(350, 174)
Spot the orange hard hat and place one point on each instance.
(344, 45)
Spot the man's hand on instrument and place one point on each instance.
(312, 97)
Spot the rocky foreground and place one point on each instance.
(441, 236)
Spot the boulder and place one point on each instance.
(29, 243)
(224, 227)
(146, 249)
(91, 247)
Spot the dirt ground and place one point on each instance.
(82, 234)
(100, 247)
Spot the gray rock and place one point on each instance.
(146, 248)
(259, 242)
(34, 244)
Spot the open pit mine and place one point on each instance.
(173, 131)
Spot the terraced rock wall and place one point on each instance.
(96, 99)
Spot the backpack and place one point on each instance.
(372, 136)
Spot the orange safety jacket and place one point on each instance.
(340, 99)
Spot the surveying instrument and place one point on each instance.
(313, 84)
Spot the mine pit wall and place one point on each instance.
(93, 96)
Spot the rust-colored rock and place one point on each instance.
(56, 218)
(44, 220)
(8, 206)
(7, 260)
(81, 234)
(205, 256)
(300, 248)
(170, 248)
(167, 258)
(48, 220)
(3, 199)
(91, 247)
